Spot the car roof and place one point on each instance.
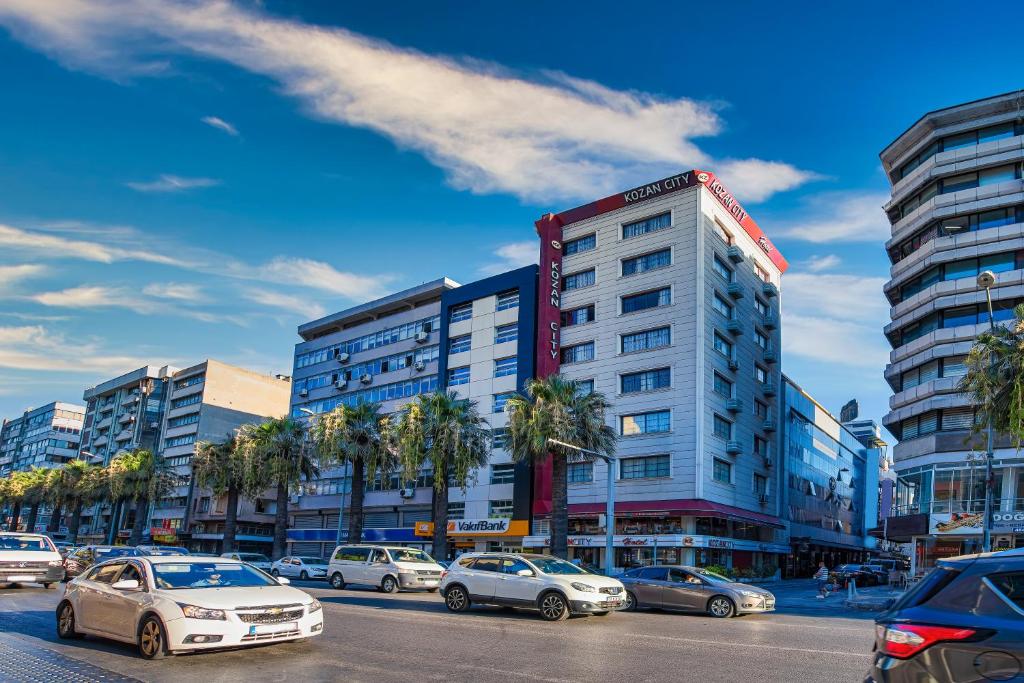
(177, 559)
(23, 533)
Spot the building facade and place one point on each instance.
(665, 298)
(957, 209)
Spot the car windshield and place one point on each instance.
(312, 560)
(847, 567)
(107, 553)
(713, 577)
(30, 543)
(553, 565)
(410, 555)
(253, 557)
(181, 575)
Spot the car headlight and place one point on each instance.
(751, 594)
(406, 571)
(583, 587)
(56, 563)
(193, 612)
(315, 606)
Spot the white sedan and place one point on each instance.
(304, 568)
(168, 604)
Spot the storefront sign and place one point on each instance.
(424, 529)
(487, 527)
(162, 531)
(671, 184)
(957, 523)
(719, 543)
(660, 540)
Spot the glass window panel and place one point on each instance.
(649, 339)
(722, 427)
(998, 263)
(959, 141)
(994, 218)
(722, 269)
(585, 243)
(960, 269)
(929, 371)
(998, 132)
(646, 300)
(506, 333)
(722, 306)
(956, 183)
(954, 317)
(647, 225)
(505, 366)
(507, 300)
(929, 422)
(999, 174)
(458, 376)
(722, 471)
(579, 280)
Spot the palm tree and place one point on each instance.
(36, 480)
(218, 467)
(141, 477)
(86, 484)
(448, 433)
(995, 377)
(58, 489)
(556, 408)
(362, 436)
(12, 492)
(275, 453)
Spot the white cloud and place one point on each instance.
(288, 302)
(841, 217)
(220, 124)
(37, 348)
(178, 291)
(99, 296)
(317, 275)
(10, 275)
(817, 264)
(511, 256)
(851, 297)
(550, 136)
(835, 341)
(172, 183)
(43, 245)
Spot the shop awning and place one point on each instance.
(704, 508)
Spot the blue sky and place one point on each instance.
(183, 180)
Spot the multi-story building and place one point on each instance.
(957, 209)
(209, 402)
(41, 437)
(830, 491)
(665, 298)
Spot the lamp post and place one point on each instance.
(609, 524)
(986, 279)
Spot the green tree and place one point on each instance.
(556, 408)
(219, 467)
(995, 378)
(359, 435)
(276, 454)
(140, 477)
(448, 433)
(13, 493)
(86, 484)
(35, 484)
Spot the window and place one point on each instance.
(1010, 586)
(499, 437)
(369, 341)
(722, 269)
(647, 300)
(190, 381)
(655, 422)
(183, 440)
(722, 427)
(722, 306)
(641, 264)
(761, 307)
(955, 270)
(578, 316)
(580, 472)
(461, 312)
(457, 376)
(504, 367)
(761, 339)
(761, 409)
(457, 510)
(647, 467)
(761, 273)
(992, 218)
(723, 386)
(646, 340)
(578, 353)
(721, 471)
(502, 474)
(579, 280)
(507, 300)
(760, 374)
(506, 333)
(956, 183)
(723, 346)
(760, 446)
(585, 243)
(760, 484)
(183, 420)
(647, 380)
(584, 387)
(722, 232)
(500, 400)
(499, 508)
(460, 344)
(637, 228)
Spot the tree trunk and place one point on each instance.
(75, 522)
(141, 508)
(280, 521)
(116, 508)
(33, 517)
(230, 520)
(15, 514)
(440, 515)
(355, 507)
(53, 526)
(559, 507)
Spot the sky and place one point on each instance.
(182, 180)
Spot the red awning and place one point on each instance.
(705, 508)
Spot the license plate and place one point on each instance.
(429, 582)
(22, 577)
(259, 629)
(614, 601)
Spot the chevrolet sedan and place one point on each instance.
(170, 604)
(692, 589)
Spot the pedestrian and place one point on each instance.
(821, 576)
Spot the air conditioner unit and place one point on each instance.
(407, 492)
(341, 384)
(154, 425)
(304, 393)
(419, 366)
(366, 379)
(734, 364)
(762, 498)
(343, 358)
(422, 337)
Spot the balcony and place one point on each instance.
(735, 254)
(770, 321)
(768, 388)
(769, 290)
(769, 424)
(735, 290)
(127, 417)
(734, 405)
(734, 364)
(771, 356)
(733, 447)
(734, 326)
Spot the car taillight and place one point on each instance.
(444, 573)
(906, 640)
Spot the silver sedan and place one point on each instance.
(691, 589)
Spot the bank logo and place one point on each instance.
(703, 177)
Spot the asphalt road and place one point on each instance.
(407, 637)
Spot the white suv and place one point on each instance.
(554, 587)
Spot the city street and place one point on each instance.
(371, 636)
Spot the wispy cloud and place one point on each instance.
(45, 245)
(10, 275)
(317, 275)
(544, 136)
(816, 264)
(179, 291)
(172, 183)
(220, 124)
(295, 304)
(35, 347)
(840, 217)
(514, 255)
(155, 302)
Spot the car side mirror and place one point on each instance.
(524, 572)
(283, 581)
(126, 585)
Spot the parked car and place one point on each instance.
(258, 560)
(165, 604)
(880, 573)
(692, 589)
(844, 573)
(552, 586)
(29, 558)
(162, 550)
(964, 621)
(384, 567)
(303, 568)
(86, 556)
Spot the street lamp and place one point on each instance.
(609, 524)
(341, 508)
(986, 279)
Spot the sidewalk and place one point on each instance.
(799, 596)
(22, 661)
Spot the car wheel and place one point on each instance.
(48, 585)
(389, 585)
(337, 581)
(630, 604)
(456, 599)
(303, 575)
(553, 607)
(720, 607)
(66, 622)
(275, 573)
(152, 642)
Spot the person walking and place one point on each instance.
(821, 576)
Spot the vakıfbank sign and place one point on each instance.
(497, 526)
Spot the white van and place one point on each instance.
(29, 558)
(387, 568)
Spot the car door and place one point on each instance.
(101, 608)
(684, 591)
(89, 598)
(284, 567)
(124, 605)
(514, 588)
(481, 577)
(355, 563)
(377, 566)
(649, 586)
